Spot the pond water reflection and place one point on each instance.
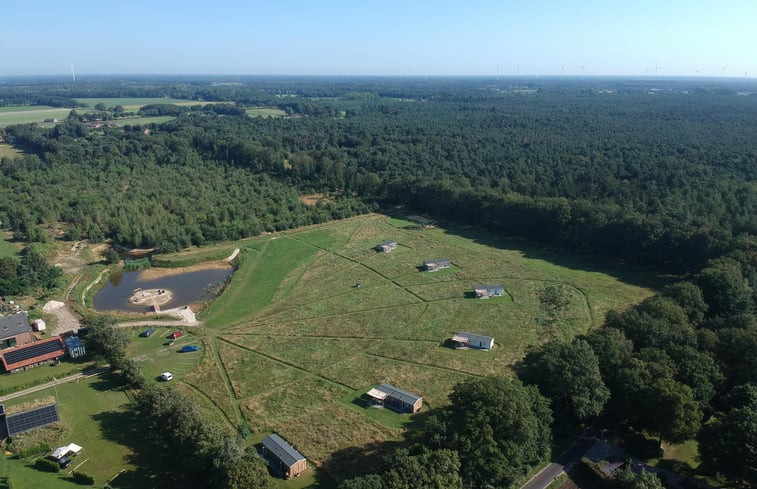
(189, 287)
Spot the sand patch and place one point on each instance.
(153, 273)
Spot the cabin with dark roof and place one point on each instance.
(471, 340)
(386, 246)
(33, 354)
(282, 458)
(488, 291)
(434, 265)
(15, 330)
(389, 396)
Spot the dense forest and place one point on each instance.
(660, 173)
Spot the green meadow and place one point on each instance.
(314, 317)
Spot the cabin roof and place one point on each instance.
(282, 450)
(14, 324)
(399, 394)
(465, 337)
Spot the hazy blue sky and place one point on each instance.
(387, 37)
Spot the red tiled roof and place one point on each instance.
(27, 354)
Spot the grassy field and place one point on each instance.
(26, 115)
(19, 108)
(265, 112)
(315, 317)
(143, 120)
(8, 151)
(131, 104)
(8, 247)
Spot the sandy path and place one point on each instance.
(67, 320)
(233, 255)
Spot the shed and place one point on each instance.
(464, 339)
(434, 265)
(39, 325)
(75, 347)
(488, 291)
(395, 398)
(282, 457)
(386, 246)
(15, 330)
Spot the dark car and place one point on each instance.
(189, 348)
(64, 462)
(146, 333)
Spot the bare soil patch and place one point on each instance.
(312, 199)
(153, 273)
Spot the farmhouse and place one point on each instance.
(434, 265)
(471, 340)
(282, 457)
(33, 354)
(386, 246)
(488, 291)
(75, 347)
(14, 330)
(396, 399)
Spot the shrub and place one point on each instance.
(46, 465)
(83, 478)
(41, 447)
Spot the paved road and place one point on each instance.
(48, 385)
(553, 470)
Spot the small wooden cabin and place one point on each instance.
(282, 457)
(389, 396)
(472, 340)
(434, 265)
(386, 246)
(488, 291)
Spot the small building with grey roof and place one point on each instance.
(434, 265)
(282, 457)
(15, 330)
(386, 246)
(394, 398)
(488, 291)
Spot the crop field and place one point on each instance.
(27, 115)
(315, 317)
(130, 103)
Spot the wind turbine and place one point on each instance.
(722, 71)
(583, 69)
(656, 68)
(73, 73)
(696, 72)
(497, 72)
(562, 71)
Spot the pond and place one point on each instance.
(186, 288)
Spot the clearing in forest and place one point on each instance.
(314, 317)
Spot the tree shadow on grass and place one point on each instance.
(124, 428)
(108, 381)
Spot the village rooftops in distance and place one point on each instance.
(434, 265)
(471, 340)
(488, 291)
(386, 246)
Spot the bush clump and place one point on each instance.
(46, 465)
(83, 478)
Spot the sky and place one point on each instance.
(388, 37)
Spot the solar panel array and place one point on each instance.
(33, 350)
(34, 418)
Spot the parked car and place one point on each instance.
(189, 348)
(166, 376)
(147, 332)
(176, 334)
(64, 462)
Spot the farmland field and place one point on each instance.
(131, 103)
(265, 112)
(314, 316)
(8, 151)
(26, 115)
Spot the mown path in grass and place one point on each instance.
(314, 316)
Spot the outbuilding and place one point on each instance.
(75, 347)
(32, 354)
(464, 339)
(39, 325)
(15, 330)
(282, 457)
(394, 398)
(434, 265)
(386, 246)
(488, 291)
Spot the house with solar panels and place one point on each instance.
(282, 458)
(471, 340)
(15, 330)
(13, 424)
(33, 354)
(389, 396)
